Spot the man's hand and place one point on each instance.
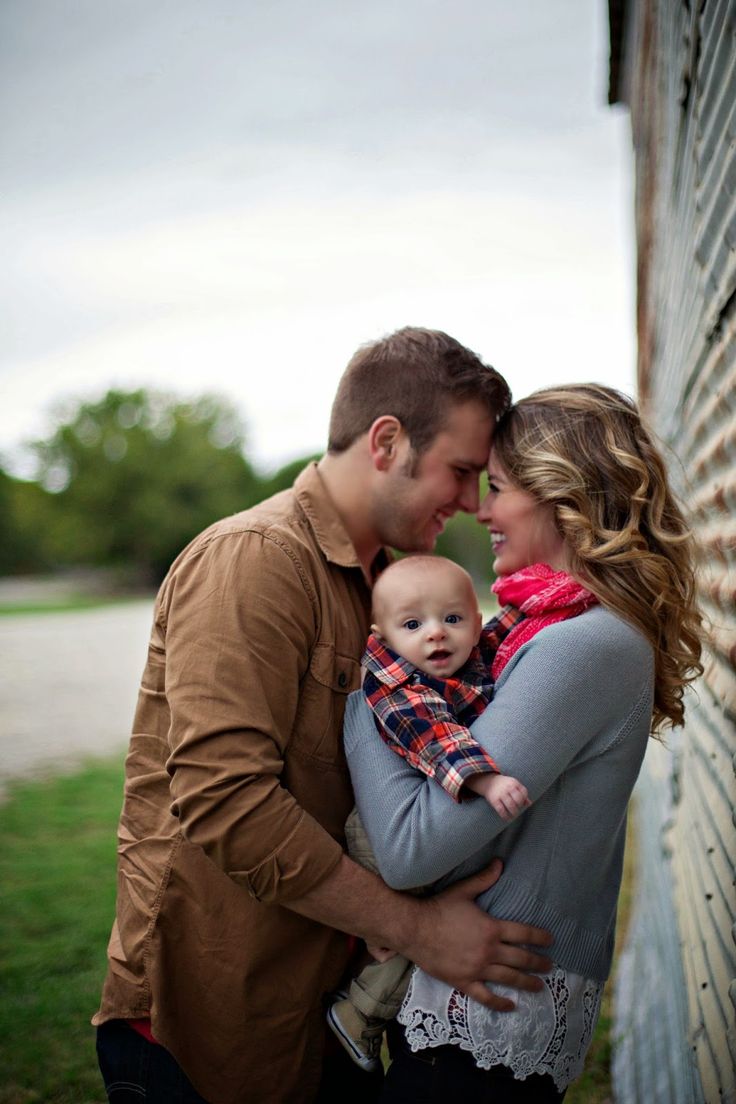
(448, 935)
(455, 941)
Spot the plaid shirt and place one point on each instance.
(425, 719)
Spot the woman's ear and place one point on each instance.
(383, 438)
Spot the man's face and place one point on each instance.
(416, 498)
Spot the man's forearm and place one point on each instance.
(448, 935)
(356, 901)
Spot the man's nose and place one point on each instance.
(484, 510)
(469, 497)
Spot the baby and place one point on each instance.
(426, 677)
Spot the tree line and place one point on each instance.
(126, 481)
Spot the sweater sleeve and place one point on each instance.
(574, 689)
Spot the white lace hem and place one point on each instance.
(547, 1033)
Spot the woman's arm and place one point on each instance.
(573, 689)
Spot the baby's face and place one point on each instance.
(434, 623)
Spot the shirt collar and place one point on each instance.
(389, 668)
(475, 668)
(331, 534)
(393, 670)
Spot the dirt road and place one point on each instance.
(68, 684)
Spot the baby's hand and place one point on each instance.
(381, 954)
(504, 794)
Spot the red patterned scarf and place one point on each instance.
(545, 596)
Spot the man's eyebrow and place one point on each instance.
(472, 465)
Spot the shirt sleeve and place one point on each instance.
(416, 722)
(240, 625)
(547, 714)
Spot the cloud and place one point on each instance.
(222, 195)
(269, 303)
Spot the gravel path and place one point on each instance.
(68, 685)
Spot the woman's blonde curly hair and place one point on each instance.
(583, 449)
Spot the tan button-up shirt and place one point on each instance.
(236, 796)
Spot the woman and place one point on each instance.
(575, 482)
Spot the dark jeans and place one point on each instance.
(345, 1083)
(438, 1075)
(138, 1072)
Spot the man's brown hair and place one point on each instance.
(416, 375)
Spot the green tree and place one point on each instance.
(282, 479)
(128, 480)
(134, 476)
(24, 508)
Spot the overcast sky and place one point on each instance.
(234, 196)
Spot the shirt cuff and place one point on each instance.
(297, 866)
(452, 776)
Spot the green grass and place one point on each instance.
(61, 605)
(57, 895)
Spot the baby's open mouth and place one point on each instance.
(439, 654)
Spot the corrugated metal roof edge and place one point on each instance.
(616, 25)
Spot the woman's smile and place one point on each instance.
(522, 530)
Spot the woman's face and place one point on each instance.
(522, 530)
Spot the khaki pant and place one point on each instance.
(380, 987)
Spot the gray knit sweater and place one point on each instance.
(570, 719)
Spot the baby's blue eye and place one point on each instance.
(412, 624)
(453, 618)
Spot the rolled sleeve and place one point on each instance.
(240, 624)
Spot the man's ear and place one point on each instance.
(383, 438)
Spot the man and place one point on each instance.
(234, 891)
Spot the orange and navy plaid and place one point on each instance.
(424, 719)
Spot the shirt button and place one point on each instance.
(342, 680)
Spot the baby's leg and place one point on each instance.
(380, 988)
(359, 849)
(375, 995)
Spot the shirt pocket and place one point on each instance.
(331, 676)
